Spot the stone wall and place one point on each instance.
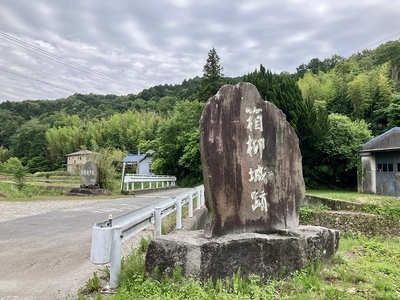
(333, 204)
(347, 217)
(359, 223)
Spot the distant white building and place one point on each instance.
(76, 160)
(143, 162)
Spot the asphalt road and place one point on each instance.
(47, 255)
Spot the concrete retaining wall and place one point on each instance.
(348, 217)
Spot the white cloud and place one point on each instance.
(158, 42)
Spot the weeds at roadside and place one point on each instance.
(133, 265)
(91, 286)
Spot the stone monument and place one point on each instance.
(251, 164)
(253, 184)
(90, 177)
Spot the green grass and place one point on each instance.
(354, 196)
(10, 192)
(377, 204)
(34, 191)
(365, 269)
(361, 269)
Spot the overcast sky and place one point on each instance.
(51, 49)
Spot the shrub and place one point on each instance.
(19, 176)
(107, 160)
(11, 165)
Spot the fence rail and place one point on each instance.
(152, 181)
(107, 236)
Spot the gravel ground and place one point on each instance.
(52, 269)
(16, 210)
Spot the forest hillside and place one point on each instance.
(335, 105)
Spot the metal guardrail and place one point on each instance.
(107, 236)
(153, 181)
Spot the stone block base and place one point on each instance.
(266, 255)
(88, 192)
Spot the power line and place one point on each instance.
(47, 73)
(383, 40)
(34, 79)
(66, 62)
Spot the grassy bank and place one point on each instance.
(371, 199)
(10, 192)
(361, 269)
(376, 204)
(36, 189)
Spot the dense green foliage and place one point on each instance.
(108, 161)
(177, 143)
(334, 105)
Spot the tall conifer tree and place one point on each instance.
(213, 78)
(309, 122)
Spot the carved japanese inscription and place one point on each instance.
(89, 174)
(251, 164)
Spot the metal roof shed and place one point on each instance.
(380, 161)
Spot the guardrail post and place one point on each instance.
(157, 221)
(190, 212)
(115, 262)
(198, 198)
(178, 214)
(202, 195)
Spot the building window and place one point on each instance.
(387, 167)
(398, 167)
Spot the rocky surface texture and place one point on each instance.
(251, 164)
(266, 255)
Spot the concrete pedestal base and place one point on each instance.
(266, 255)
(88, 192)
